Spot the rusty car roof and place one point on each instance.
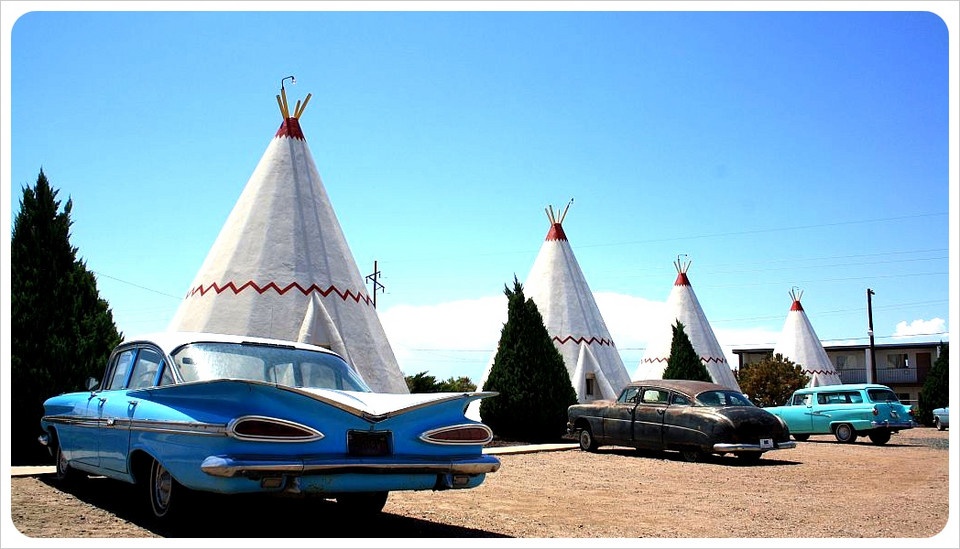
(686, 386)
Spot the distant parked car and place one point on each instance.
(941, 418)
(178, 412)
(845, 411)
(693, 417)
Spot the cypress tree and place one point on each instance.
(529, 374)
(684, 363)
(61, 331)
(936, 389)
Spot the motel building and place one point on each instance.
(902, 367)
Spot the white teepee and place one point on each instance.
(570, 313)
(281, 267)
(682, 305)
(800, 344)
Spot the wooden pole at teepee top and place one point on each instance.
(303, 107)
(285, 108)
(564, 214)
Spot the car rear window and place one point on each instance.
(723, 398)
(882, 395)
(204, 361)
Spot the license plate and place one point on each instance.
(766, 443)
(368, 443)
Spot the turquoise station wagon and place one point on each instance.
(845, 411)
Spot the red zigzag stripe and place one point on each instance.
(349, 294)
(579, 340)
(703, 358)
(834, 372)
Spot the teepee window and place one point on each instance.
(591, 384)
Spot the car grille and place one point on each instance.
(369, 443)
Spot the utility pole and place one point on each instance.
(872, 367)
(376, 285)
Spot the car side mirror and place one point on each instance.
(92, 383)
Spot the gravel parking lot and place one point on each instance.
(821, 489)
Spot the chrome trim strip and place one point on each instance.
(147, 425)
(226, 466)
(425, 436)
(727, 447)
(311, 437)
(176, 427)
(78, 421)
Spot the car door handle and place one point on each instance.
(111, 421)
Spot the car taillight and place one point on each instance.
(473, 433)
(267, 429)
(875, 411)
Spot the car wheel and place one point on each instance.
(65, 473)
(693, 455)
(587, 442)
(879, 437)
(845, 433)
(366, 503)
(801, 438)
(165, 492)
(749, 457)
(937, 424)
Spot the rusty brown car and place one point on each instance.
(693, 417)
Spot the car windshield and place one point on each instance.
(278, 364)
(882, 395)
(723, 398)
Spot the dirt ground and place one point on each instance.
(821, 489)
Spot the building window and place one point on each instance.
(841, 361)
(591, 382)
(898, 360)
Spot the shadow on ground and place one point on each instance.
(768, 460)
(935, 443)
(218, 516)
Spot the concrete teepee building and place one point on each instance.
(800, 343)
(281, 267)
(570, 313)
(682, 305)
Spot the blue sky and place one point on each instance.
(775, 149)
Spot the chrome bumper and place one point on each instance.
(726, 447)
(895, 425)
(226, 466)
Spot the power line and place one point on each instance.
(679, 238)
(99, 273)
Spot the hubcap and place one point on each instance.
(61, 462)
(162, 483)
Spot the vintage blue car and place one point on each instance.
(845, 411)
(178, 412)
(941, 418)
